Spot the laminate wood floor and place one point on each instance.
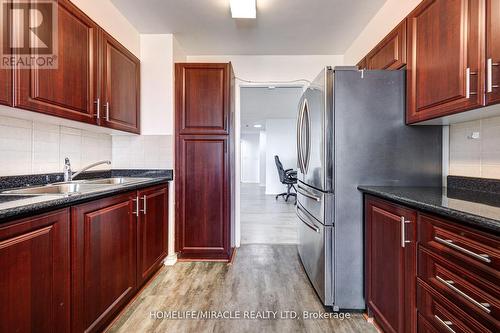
(265, 220)
(261, 278)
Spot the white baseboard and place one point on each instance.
(170, 260)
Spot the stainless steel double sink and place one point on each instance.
(77, 186)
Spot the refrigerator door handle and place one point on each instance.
(308, 137)
(300, 159)
(313, 227)
(308, 194)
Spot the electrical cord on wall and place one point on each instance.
(271, 82)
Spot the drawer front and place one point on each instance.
(443, 315)
(477, 251)
(473, 294)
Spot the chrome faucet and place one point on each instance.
(69, 175)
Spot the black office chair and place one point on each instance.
(288, 177)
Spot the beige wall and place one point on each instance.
(386, 19)
(475, 157)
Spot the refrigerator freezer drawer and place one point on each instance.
(317, 203)
(315, 251)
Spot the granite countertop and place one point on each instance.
(471, 207)
(13, 207)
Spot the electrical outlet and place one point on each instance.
(474, 136)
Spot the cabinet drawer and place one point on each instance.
(474, 250)
(443, 315)
(473, 294)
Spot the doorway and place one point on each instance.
(268, 127)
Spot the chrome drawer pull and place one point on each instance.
(136, 200)
(308, 194)
(449, 242)
(450, 284)
(403, 231)
(446, 323)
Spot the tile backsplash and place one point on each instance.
(475, 148)
(30, 147)
(143, 152)
(33, 147)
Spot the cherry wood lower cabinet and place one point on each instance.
(390, 265)
(35, 274)
(456, 287)
(104, 253)
(152, 233)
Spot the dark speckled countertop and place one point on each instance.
(467, 205)
(13, 207)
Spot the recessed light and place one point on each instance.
(257, 125)
(243, 8)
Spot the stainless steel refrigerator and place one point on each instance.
(351, 131)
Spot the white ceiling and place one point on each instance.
(259, 104)
(282, 27)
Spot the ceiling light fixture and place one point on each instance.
(257, 125)
(243, 8)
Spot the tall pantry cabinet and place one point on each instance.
(204, 160)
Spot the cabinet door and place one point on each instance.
(152, 237)
(70, 91)
(35, 266)
(362, 64)
(445, 60)
(202, 197)
(104, 236)
(202, 98)
(121, 87)
(390, 265)
(6, 87)
(492, 51)
(391, 52)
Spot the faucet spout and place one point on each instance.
(73, 176)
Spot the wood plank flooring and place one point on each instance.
(265, 220)
(262, 278)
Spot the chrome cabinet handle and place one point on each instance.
(144, 200)
(308, 194)
(313, 227)
(450, 284)
(449, 243)
(404, 222)
(446, 324)
(107, 111)
(489, 75)
(467, 83)
(136, 200)
(98, 108)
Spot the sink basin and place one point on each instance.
(116, 181)
(61, 189)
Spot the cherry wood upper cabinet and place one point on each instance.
(445, 58)
(390, 265)
(202, 199)
(202, 98)
(362, 64)
(6, 87)
(70, 91)
(390, 53)
(35, 266)
(492, 51)
(104, 258)
(152, 233)
(121, 84)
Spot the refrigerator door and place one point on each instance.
(315, 251)
(315, 133)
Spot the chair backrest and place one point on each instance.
(279, 166)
